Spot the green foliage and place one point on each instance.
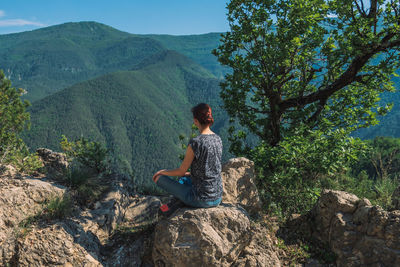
(184, 141)
(375, 175)
(384, 189)
(86, 185)
(24, 161)
(90, 154)
(294, 253)
(311, 63)
(381, 165)
(52, 58)
(361, 185)
(382, 160)
(291, 173)
(88, 169)
(58, 208)
(379, 192)
(196, 47)
(13, 119)
(77, 176)
(88, 193)
(305, 74)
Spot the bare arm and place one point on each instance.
(181, 171)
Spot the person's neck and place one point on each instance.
(205, 130)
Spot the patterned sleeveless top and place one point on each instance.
(205, 169)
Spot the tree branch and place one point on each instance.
(321, 106)
(345, 79)
(360, 9)
(348, 77)
(373, 9)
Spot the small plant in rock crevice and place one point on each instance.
(55, 208)
(89, 169)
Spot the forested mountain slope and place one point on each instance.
(389, 124)
(196, 47)
(139, 114)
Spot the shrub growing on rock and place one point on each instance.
(90, 154)
(87, 170)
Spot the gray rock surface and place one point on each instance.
(7, 170)
(239, 184)
(202, 237)
(357, 232)
(262, 250)
(19, 199)
(218, 236)
(80, 240)
(54, 245)
(55, 163)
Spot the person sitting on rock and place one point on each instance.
(202, 187)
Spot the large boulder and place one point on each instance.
(262, 250)
(55, 163)
(56, 245)
(357, 232)
(117, 210)
(239, 184)
(218, 236)
(86, 238)
(202, 237)
(19, 199)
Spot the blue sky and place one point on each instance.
(178, 17)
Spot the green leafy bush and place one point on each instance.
(89, 167)
(14, 119)
(24, 161)
(360, 185)
(90, 154)
(292, 174)
(86, 185)
(384, 189)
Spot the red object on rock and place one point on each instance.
(164, 208)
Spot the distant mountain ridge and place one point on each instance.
(49, 59)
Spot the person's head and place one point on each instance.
(202, 115)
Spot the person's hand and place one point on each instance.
(157, 175)
(187, 174)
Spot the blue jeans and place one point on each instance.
(183, 191)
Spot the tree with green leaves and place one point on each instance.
(13, 118)
(317, 63)
(305, 74)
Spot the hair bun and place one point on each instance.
(203, 113)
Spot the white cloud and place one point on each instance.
(19, 22)
(2, 13)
